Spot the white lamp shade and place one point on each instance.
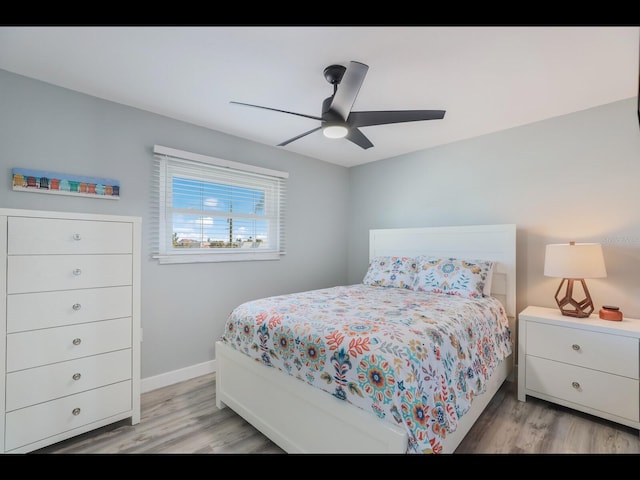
(574, 260)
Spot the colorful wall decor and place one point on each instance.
(40, 181)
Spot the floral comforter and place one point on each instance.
(413, 358)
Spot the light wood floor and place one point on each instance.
(183, 418)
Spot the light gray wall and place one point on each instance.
(574, 177)
(183, 306)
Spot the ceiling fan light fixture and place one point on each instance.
(335, 131)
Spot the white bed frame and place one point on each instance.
(302, 419)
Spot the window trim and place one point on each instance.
(164, 254)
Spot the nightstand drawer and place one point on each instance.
(607, 393)
(50, 345)
(37, 385)
(44, 420)
(31, 311)
(601, 351)
(29, 235)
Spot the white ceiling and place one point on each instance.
(486, 78)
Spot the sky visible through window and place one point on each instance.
(217, 213)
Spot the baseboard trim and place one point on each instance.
(176, 376)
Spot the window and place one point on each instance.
(214, 210)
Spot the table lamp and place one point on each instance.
(574, 261)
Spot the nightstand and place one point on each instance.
(587, 364)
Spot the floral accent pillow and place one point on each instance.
(391, 272)
(486, 292)
(452, 276)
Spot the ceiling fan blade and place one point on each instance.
(286, 142)
(365, 119)
(357, 137)
(348, 89)
(277, 110)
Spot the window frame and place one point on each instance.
(169, 162)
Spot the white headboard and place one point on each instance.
(486, 242)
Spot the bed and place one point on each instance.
(310, 404)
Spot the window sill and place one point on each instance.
(212, 258)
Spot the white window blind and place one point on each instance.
(212, 210)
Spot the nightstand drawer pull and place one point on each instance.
(77, 271)
(76, 236)
(575, 385)
(76, 411)
(76, 376)
(76, 306)
(77, 341)
(575, 346)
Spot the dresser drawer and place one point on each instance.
(41, 347)
(31, 311)
(41, 384)
(44, 420)
(32, 235)
(43, 273)
(601, 351)
(594, 389)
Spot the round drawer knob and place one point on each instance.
(77, 271)
(76, 236)
(76, 411)
(575, 346)
(76, 306)
(575, 385)
(76, 376)
(77, 341)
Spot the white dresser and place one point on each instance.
(71, 333)
(587, 364)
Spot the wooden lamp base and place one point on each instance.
(571, 307)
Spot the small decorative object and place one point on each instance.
(574, 261)
(39, 181)
(610, 312)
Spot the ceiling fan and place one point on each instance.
(338, 121)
